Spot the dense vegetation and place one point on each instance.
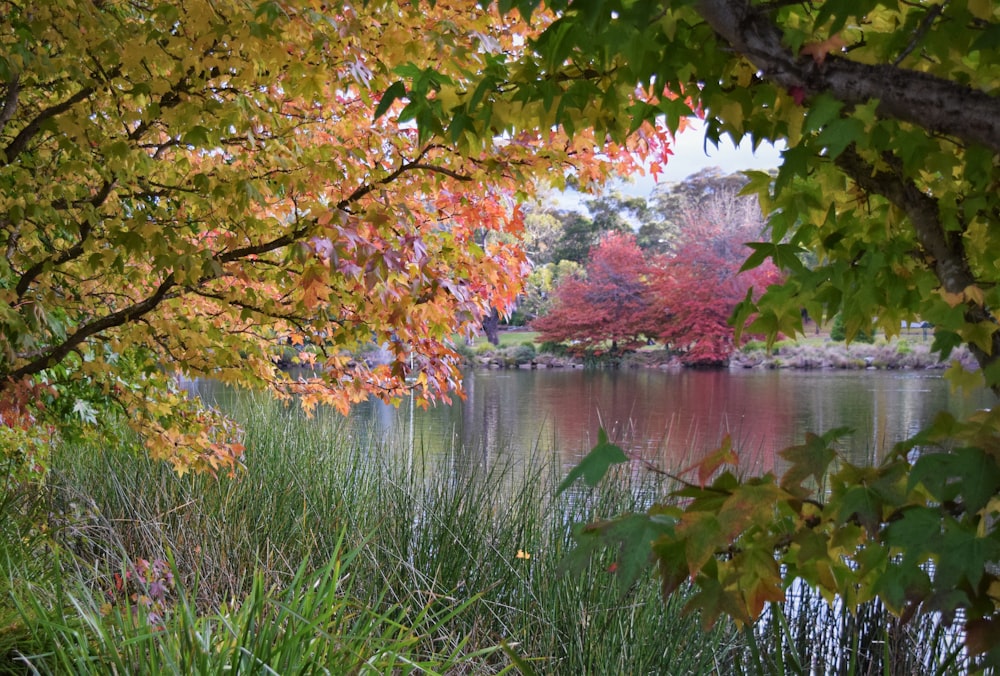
(889, 180)
(678, 290)
(329, 552)
(185, 185)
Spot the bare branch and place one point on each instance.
(932, 14)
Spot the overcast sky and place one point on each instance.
(692, 154)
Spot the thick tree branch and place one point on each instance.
(10, 101)
(20, 142)
(945, 252)
(935, 104)
(169, 287)
(129, 314)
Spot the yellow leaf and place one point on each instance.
(980, 335)
(974, 294)
(952, 299)
(981, 9)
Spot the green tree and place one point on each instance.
(612, 211)
(540, 286)
(579, 235)
(890, 177)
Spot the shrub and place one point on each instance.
(839, 332)
(520, 354)
(553, 347)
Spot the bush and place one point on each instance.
(839, 332)
(518, 318)
(520, 354)
(554, 348)
(465, 351)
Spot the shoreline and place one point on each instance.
(897, 354)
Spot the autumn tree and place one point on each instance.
(539, 289)
(695, 289)
(606, 309)
(185, 185)
(892, 125)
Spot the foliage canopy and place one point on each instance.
(184, 186)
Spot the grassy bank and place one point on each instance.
(324, 555)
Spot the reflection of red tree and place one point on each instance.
(672, 419)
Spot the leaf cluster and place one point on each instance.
(193, 190)
(918, 531)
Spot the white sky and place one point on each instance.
(692, 154)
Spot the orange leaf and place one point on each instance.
(819, 50)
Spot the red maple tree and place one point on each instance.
(695, 288)
(607, 308)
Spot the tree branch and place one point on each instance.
(168, 286)
(20, 142)
(130, 314)
(945, 254)
(32, 273)
(932, 103)
(10, 101)
(932, 14)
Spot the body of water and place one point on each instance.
(671, 418)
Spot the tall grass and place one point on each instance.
(324, 552)
(807, 635)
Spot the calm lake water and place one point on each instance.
(670, 418)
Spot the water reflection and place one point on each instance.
(669, 418)
(672, 418)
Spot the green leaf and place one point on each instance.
(761, 252)
(703, 537)
(713, 600)
(822, 109)
(964, 556)
(917, 532)
(902, 585)
(671, 556)
(863, 504)
(979, 477)
(811, 459)
(396, 90)
(933, 471)
(751, 504)
(839, 134)
(596, 464)
(630, 536)
(85, 410)
(196, 136)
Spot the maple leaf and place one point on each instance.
(707, 466)
(820, 49)
(595, 464)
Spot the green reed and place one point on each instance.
(326, 551)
